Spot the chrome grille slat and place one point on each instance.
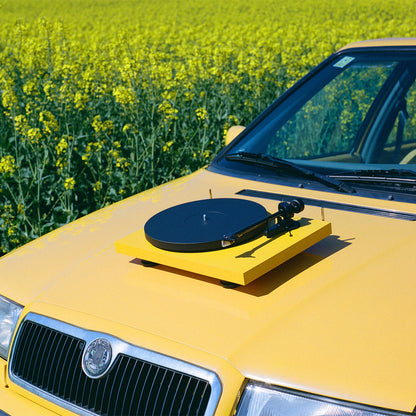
(149, 369)
(67, 386)
(154, 375)
(147, 397)
(94, 394)
(161, 385)
(175, 394)
(43, 358)
(192, 401)
(47, 372)
(184, 395)
(122, 383)
(124, 403)
(115, 384)
(169, 382)
(200, 403)
(32, 356)
(104, 399)
(136, 387)
(25, 353)
(80, 383)
(65, 342)
(71, 377)
(46, 359)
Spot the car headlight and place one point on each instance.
(9, 315)
(260, 399)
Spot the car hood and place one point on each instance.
(337, 319)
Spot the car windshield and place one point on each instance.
(354, 113)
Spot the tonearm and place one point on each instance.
(279, 222)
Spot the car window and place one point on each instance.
(328, 123)
(401, 142)
(356, 109)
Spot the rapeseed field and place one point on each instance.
(102, 99)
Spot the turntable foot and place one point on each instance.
(229, 285)
(147, 263)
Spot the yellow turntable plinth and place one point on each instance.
(240, 264)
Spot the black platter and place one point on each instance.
(201, 225)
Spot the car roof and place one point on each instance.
(381, 42)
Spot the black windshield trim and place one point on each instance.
(395, 214)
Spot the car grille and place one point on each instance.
(49, 361)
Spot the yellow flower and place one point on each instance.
(34, 135)
(124, 95)
(167, 146)
(7, 164)
(97, 186)
(60, 164)
(233, 119)
(20, 209)
(61, 147)
(49, 121)
(169, 112)
(69, 183)
(127, 127)
(201, 114)
(20, 123)
(102, 126)
(113, 153)
(30, 88)
(8, 98)
(80, 100)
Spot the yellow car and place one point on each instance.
(279, 280)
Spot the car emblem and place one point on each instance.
(97, 358)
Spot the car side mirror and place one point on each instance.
(232, 133)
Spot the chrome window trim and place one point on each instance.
(119, 347)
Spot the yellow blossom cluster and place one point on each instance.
(99, 126)
(124, 95)
(100, 100)
(201, 114)
(69, 183)
(7, 165)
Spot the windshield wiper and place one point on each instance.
(262, 159)
(396, 176)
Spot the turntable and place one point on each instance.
(231, 239)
